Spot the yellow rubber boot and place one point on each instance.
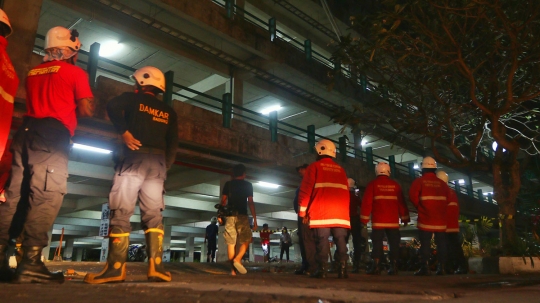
(154, 247)
(115, 268)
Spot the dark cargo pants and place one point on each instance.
(38, 181)
(425, 245)
(138, 176)
(321, 236)
(377, 237)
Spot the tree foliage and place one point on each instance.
(461, 73)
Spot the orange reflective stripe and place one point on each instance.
(452, 230)
(9, 98)
(433, 198)
(364, 217)
(330, 221)
(452, 204)
(385, 225)
(385, 197)
(331, 185)
(436, 227)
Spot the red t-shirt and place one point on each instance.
(52, 89)
(265, 236)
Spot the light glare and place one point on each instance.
(270, 109)
(110, 48)
(269, 185)
(91, 148)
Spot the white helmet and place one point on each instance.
(149, 75)
(326, 148)
(382, 168)
(429, 162)
(60, 36)
(443, 176)
(213, 220)
(4, 19)
(351, 182)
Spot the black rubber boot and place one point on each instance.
(154, 244)
(356, 266)
(342, 271)
(424, 270)
(320, 273)
(374, 268)
(115, 268)
(6, 274)
(393, 270)
(441, 269)
(32, 270)
(334, 266)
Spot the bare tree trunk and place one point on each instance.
(506, 185)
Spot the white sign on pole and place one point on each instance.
(104, 226)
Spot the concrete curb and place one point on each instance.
(504, 265)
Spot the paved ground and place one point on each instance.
(195, 282)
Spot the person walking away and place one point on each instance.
(356, 225)
(149, 131)
(305, 238)
(211, 236)
(431, 197)
(265, 242)
(455, 251)
(384, 201)
(57, 92)
(285, 243)
(324, 205)
(237, 195)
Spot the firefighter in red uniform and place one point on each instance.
(384, 201)
(455, 251)
(356, 225)
(431, 196)
(56, 91)
(324, 205)
(8, 88)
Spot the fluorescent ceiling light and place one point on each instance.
(91, 148)
(416, 166)
(269, 185)
(110, 48)
(485, 194)
(364, 142)
(270, 109)
(461, 181)
(494, 146)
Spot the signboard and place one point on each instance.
(104, 226)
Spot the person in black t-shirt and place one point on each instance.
(237, 196)
(211, 234)
(149, 131)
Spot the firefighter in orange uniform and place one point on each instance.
(324, 205)
(384, 201)
(431, 196)
(455, 251)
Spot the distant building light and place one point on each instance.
(269, 185)
(461, 181)
(91, 148)
(494, 146)
(364, 142)
(270, 109)
(488, 193)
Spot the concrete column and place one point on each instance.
(190, 249)
(24, 17)
(221, 254)
(203, 252)
(47, 249)
(238, 93)
(251, 253)
(68, 251)
(167, 244)
(357, 145)
(79, 254)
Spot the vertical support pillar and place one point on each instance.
(307, 49)
(169, 81)
(221, 254)
(229, 8)
(251, 253)
(47, 249)
(226, 110)
(190, 249)
(237, 93)
(104, 250)
(392, 162)
(240, 7)
(204, 251)
(458, 186)
(273, 124)
(363, 83)
(369, 158)
(490, 198)
(311, 138)
(358, 145)
(79, 254)
(343, 148)
(480, 195)
(337, 65)
(272, 28)
(68, 251)
(93, 59)
(412, 172)
(167, 243)
(469, 186)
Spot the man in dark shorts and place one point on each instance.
(211, 236)
(237, 196)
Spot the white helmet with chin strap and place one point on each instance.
(382, 168)
(443, 176)
(326, 148)
(429, 162)
(4, 19)
(149, 75)
(62, 37)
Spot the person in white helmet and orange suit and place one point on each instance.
(149, 131)
(431, 196)
(455, 251)
(324, 204)
(57, 92)
(384, 201)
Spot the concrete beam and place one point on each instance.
(90, 170)
(202, 86)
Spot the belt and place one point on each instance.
(147, 150)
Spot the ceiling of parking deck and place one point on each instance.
(191, 192)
